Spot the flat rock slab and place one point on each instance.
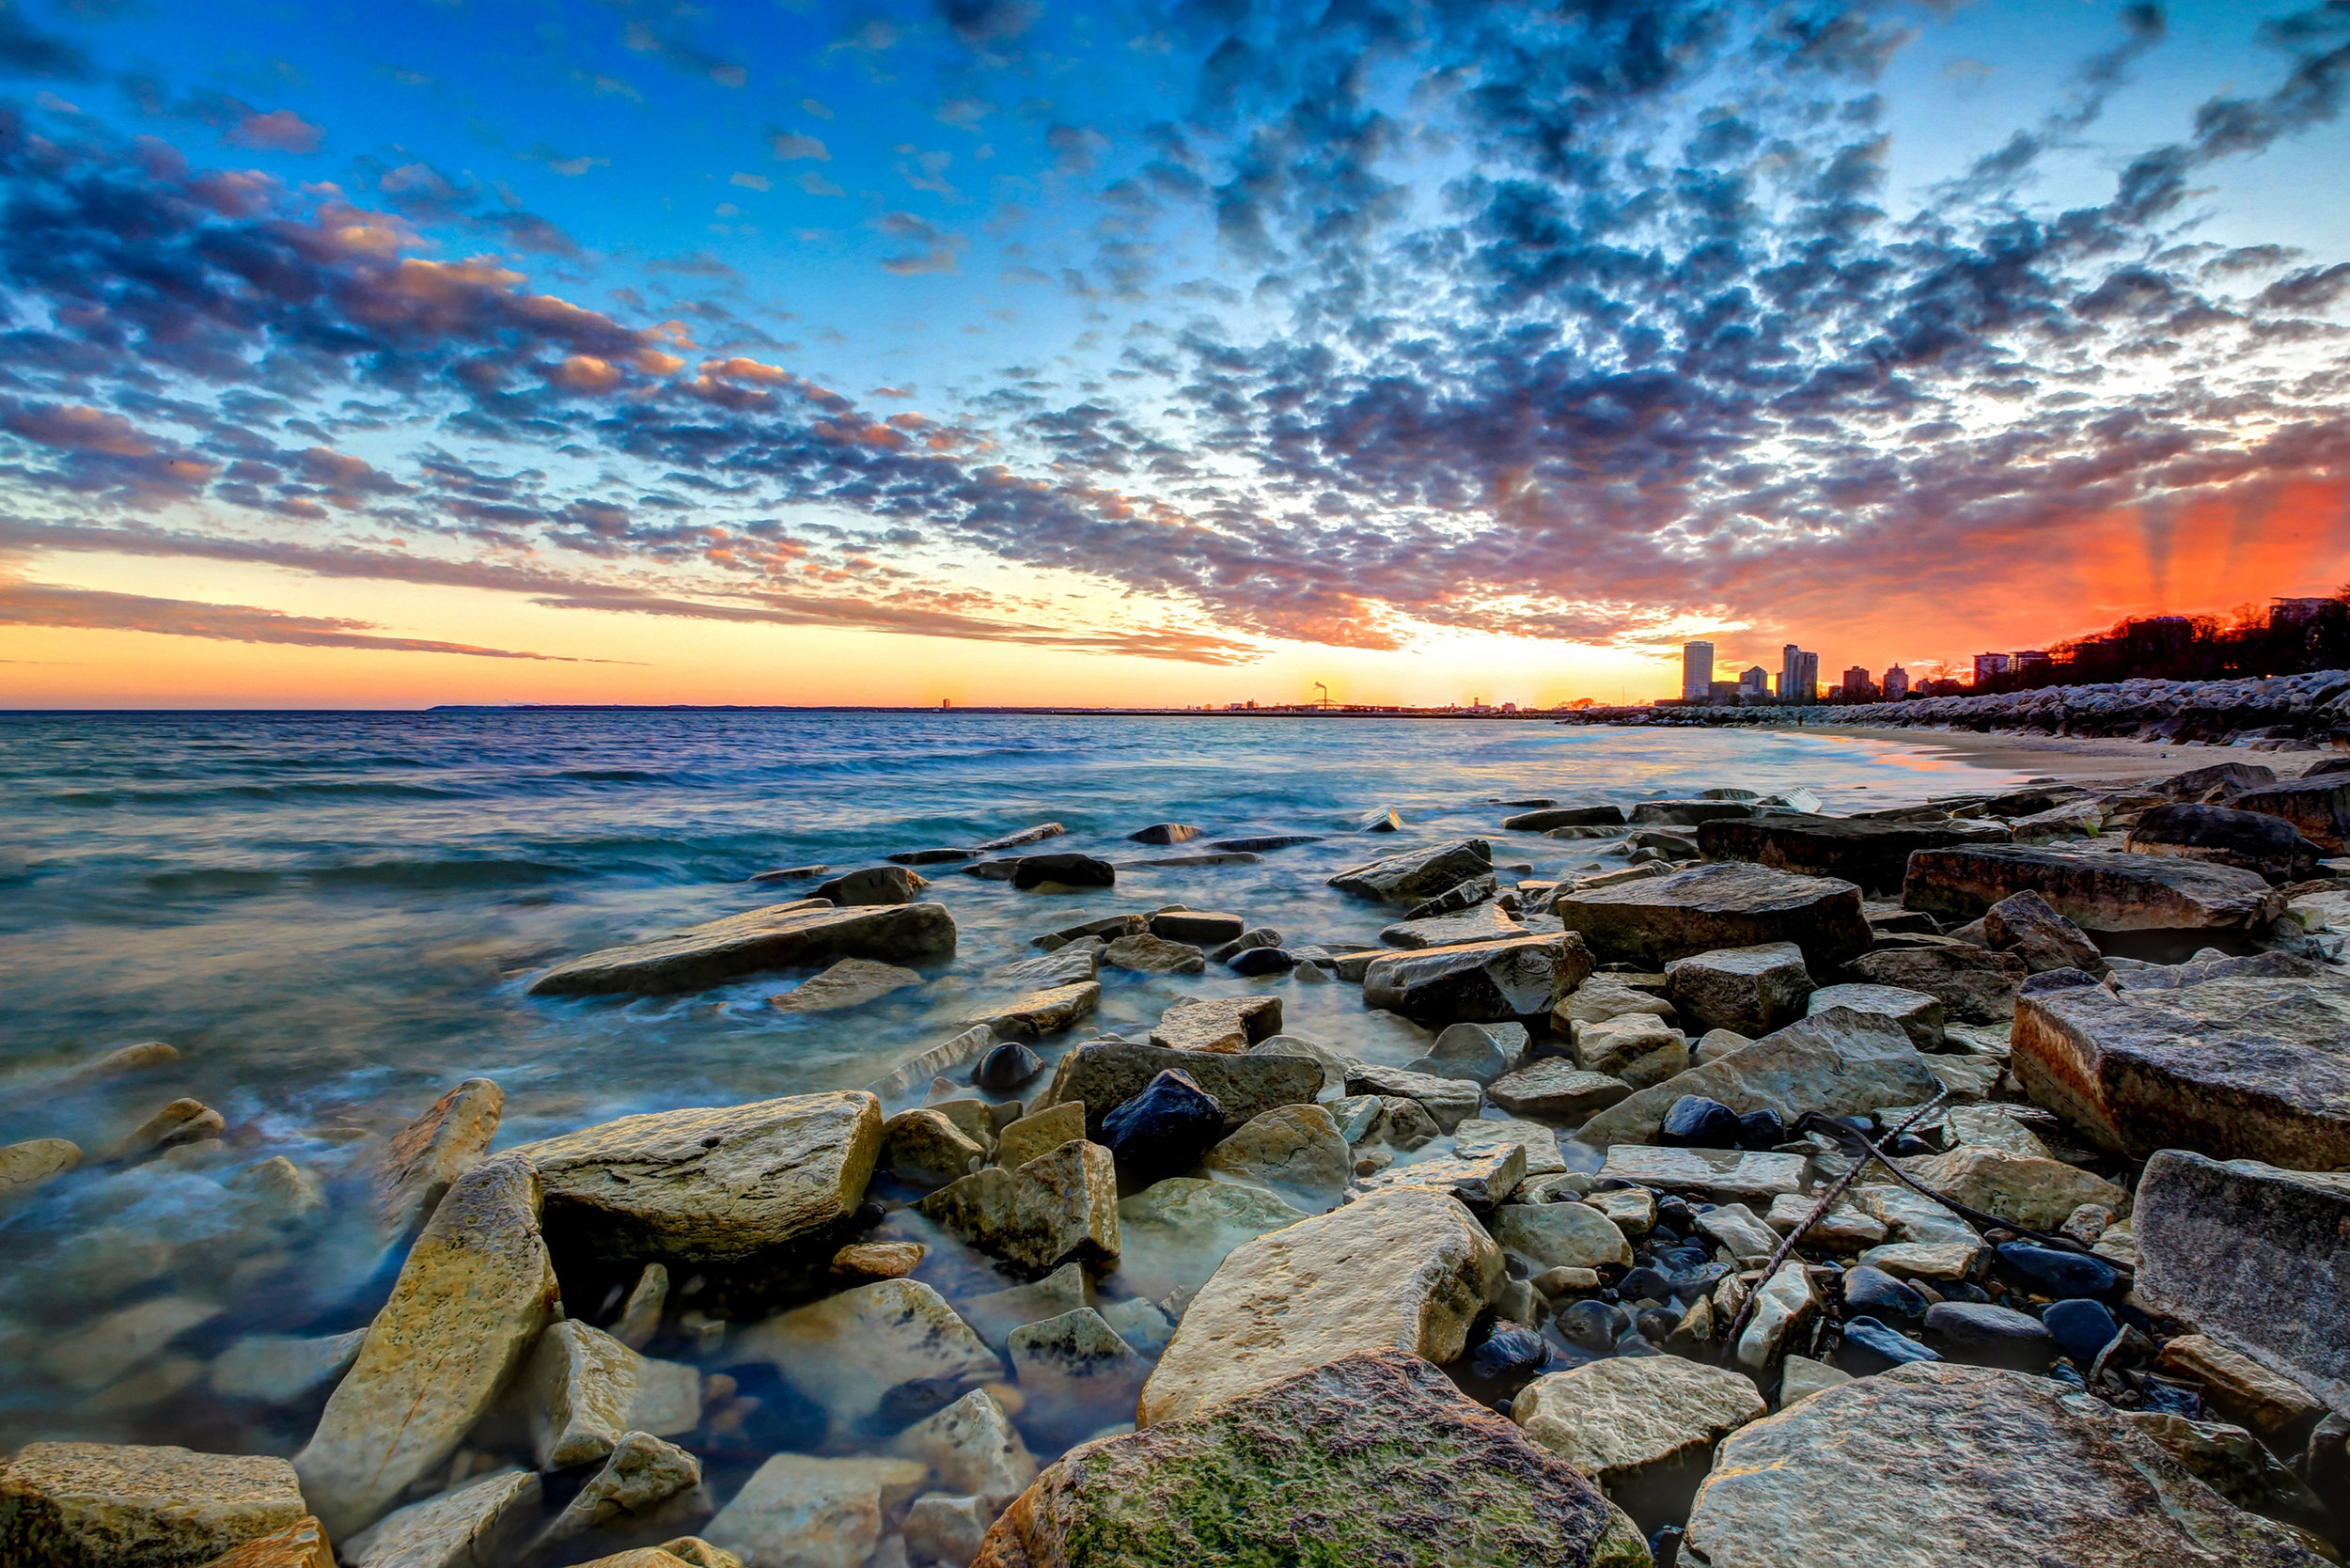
(1621, 1420)
(851, 982)
(1482, 923)
(2097, 892)
(1106, 1074)
(1479, 983)
(1839, 1062)
(2319, 808)
(1929, 1465)
(809, 931)
(1404, 1270)
(483, 1521)
(1418, 873)
(2252, 1063)
(1555, 1087)
(801, 1511)
(1718, 1175)
(1222, 1025)
(1974, 985)
(710, 1184)
(435, 1149)
(1657, 919)
(1873, 853)
(1373, 1460)
(103, 1505)
(2257, 1258)
(1060, 1206)
(1033, 1014)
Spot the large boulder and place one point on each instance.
(1059, 1207)
(713, 1182)
(1417, 874)
(470, 1300)
(1973, 984)
(103, 1505)
(1480, 982)
(2251, 1062)
(425, 1156)
(1655, 921)
(1105, 1073)
(1875, 855)
(1406, 1270)
(1751, 990)
(1839, 1062)
(2318, 808)
(2250, 840)
(1629, 1422)
(2097, 892)
(878, 1356)
(1933, 1464)
(809, 932)
(2256, 1258)
(1370, 1459)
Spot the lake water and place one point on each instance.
(333, 918)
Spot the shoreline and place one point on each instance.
(2063, 758)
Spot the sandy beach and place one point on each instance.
(2067, 759)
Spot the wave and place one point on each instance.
(444, 873)
(214, 881)
(223, 794)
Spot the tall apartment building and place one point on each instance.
(1696, 671)
(1799, 675)
(1858, 685)
(1896, 683)
(1989, 664)
(1754, 683)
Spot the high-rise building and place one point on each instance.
(1801, 681)
(1754, 683)
(1896, 683)
(2031, 658)
(1857, 686)
(1989, 664)
(1696, 670)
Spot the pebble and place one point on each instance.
(1989, 1335)
(1164, 1129)
(1694, 1121)
(2053, 1273)
(2080, 1327)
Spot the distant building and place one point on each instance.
(2031, 658)
(1509, 707)
(2293, 614)
(1896, 683)
(1723, 694)
(1989, 664)
(1857, 686)
(1696, 670)
(1755, 683)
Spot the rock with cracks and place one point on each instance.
(2097, 892)
(1483, 982)
(1417, 874)
(1655, 921)
(103, 1505)
(807, 933)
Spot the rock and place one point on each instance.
(1163, 1129)
(182, 1121)
(1152, 955)
(1920, 1014)
(1632, 1421)
(2040, 1193)
(584, 1389)
(431, 1151)
(1786, 1302)
(281, 1368)
(2228, 778)
(1604, 996)
(1295, 1151)
(2319, 808)
(1801, 1378)
(1453, 900)
(1073, 1366)
(800, 1512)
(1633, 1210)
(471, 1298)
(924, 1147)
(1167, 833)
(25, 1165)
(1919, 1468)
(2027, 926)
(1005, 1067)
(2268, 846)
(1562, 1235)
(1688, 813)
(948, 1530)
(1448, 1101)
(1565, 816)
(782, 937)
(1873, 853)
(119, 1506)
(1261, 936)
(1985, 1335)
(2255, 1257)
(873, 1261)
(1072, 964)
(1540, 1143)
(2097, 892)
(1107, 1073)
(973, 1448)
(1418, 874)
(954, 1055)
(1175, 1233)
(1479, 1180)
(875, 884)
(904, 858)
(100, 1352)
(868, 1353)
(1061, 872)
(1751, 990)
(1406, 1270)
(1951, 1260)
(851, 982)
(1693, 1122)
(1717, 1044)
(2241, 1390)
(1482, 923)
(1972, 984)
(710, 1183)
(483, 1522)
(1280, 1474)
(1869, 1347)
(1334, 1066)
(995, 1314)
(1021, 835)
(642, 1473)
(1871, 1291)
(1639, 1049)
(2051, 1272)
(2248, 1062)
(1199, 928)
(1041, 1133)
(1838, 1062)
(300, 1544)
(1482, 1052)
(1220, 1026)
(2080, 1328)
(1707, 907)
(1058, 1206)
(1035, 1013)
(1555, 1087)
(1739, 1228)
(1845, 1228)
(1404, 1124)
(1717, 1175)
(1522, 977)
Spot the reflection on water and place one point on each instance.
(332, 917)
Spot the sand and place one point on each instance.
(2066, 758)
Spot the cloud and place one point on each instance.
(23, 604)
(279, 131)
(934, 248)
(791, 146)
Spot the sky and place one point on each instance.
(1158, 352)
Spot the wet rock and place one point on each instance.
(1041, 1133)
(1739, 1228)
(1261, 936)
(1153, 955)
(1629, 1420)
(946, 1529)
(584, 1389)
(2024, 1188)
(782, 937)
(122, 1506)
(1914, 1260)
(1922, 1016)
(995, 1314)
(1474, 1137)
(2049, 1272)
(1483, 923)
(183, 1121)
(1418, 874)
(871, 1261)
(1220, 1026)
(281, 1368)
(98, 1354)
(2029, 926)
(1069, 964)
(1035, 1013)
(1838, 1062)
(2249, 1061)
(1295, 1151)
(1175, 1233)
(1197, 927)
(1019, 836)
(1406, 1270)
(1751, 990)
(800, 1512)
(1874, 1293)
(1801, 1378)
(1057, 1207)
(474, 1526)
(1717, 1044)
(1972, 984)
(1869, 1347)
(868, 1353)
(875, 884)
(2097, 892)
(1543, 820)
(1072, 1367)
(1732, 904)
(1479, 1180)
(1480, 1052)
(1918, 1468)
(713, 1182)
(2268, 846)
(1982, 1334)
(1005, 1067)
(851, 982)
(952, 1056)
(1639, 1049)
(1694, 1121)
(976, 1120)
(1452, 900)
(2228, 778)
(1105, 1075)
(640, 1475)
(1554, 1087)
(1845, 1228)
(25, 1167)
(1562, 1235)
(1632, 1209)
(1448, 1101)
(1165, 1128)
(922, 1146)
(2081, 1329)
(1785, 1303)
(1479, 983)
(1167, 833)
(1045, 873)
(300, 1544)
(973, 1448)
(2255, 1257)
(1873, 853)
(1716, 1175)
(471, 1298)
(904, 858)
(431, 1151)
(1604, 996)
(1334, 1066)
(2319, 808)
(2241, 1390)
(1404, 1124)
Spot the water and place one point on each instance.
(334, 917)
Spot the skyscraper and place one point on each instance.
(1896, 683)
(1754, 683)
(1696, 670)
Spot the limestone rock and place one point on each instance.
(280, 1367)
(1018, 836)
(924, 1146)
(1479, 1180)
(1787, 1301)
(947, 1529)
(1801, 1378)
(2097, 892)
(1972, 984)
(1482, 923)
(1605, 996)
(476, 1290)
(1846, 1228)
(851, 982)
(879, 1259)
(1839, 1062)
(584, 1390)
(808, 931)
(863, 1354)
(1033, 1014)
(101, 1352)
(1920, 1016)
(1751, 990)
(300, 1544)
(2029, 926)
(800, 1512)
(1153, 955)
(1333, 1065)
(1633, 1210)
(1059, 1206)
(1562, 1235)
(25, 1165)
(1624, 1420)
(2270, 847)
(952, 1056)
(1480, 1135)
(1418, 874)
(1717, 1175)
(101, 1505)
(972, 1447)
(1637, 1048)
(1071, 965)
(1368, 1459)
(641, 1473)
(1041, 1133)
(1292, 1150)
(1870, 853)
(2038, 1192)
(1933, 1464)
(1448, 1101)
(1406, 1270)
(1739, 1228)
(1074, 1365)
(180, 1123)
(1482, 1052)
(1479, 983)
(996, 1313)
(1174, 1234)
(1105, 1075)
(711, 1183)
(479, 1525)
(1220, 1026)
(2243, 1391)
(1555, 1087)
(875, 884)
(1729, 905)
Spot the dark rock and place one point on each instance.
(1005, 1067)
(1750, 990)
(875, 884)
(1696, 1122)
(1873, 1292)
(2257, 1258)
(2230, 778)
(1684, 913)
(2080, 1327)
(1986, 1336)
(2320, 808)
(1510, 1350)
(1869, 1347)
(2266, 844)
(1025, 836)
(1874, 854)
(2326, 1464)
(1164, 1130)
(1384, 820)
(1688, 813)
(1062, 870)
(1262, 937)
(2097, 892)
(2047, 1271)
(1258, 842)
(1590, 1325)
(1544, 820)
(785, 936)
(2055, 979)
(1167, 833)
(1260, 961)
(1761, 1129)
(1901, 922)
(1466, 895)
(1105, 1074)
(1973, 984)
(929, 856)
(1417, 874)
(1483, 982)
(2027, 926)
(1197, 927)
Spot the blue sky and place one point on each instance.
(1057, 349)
